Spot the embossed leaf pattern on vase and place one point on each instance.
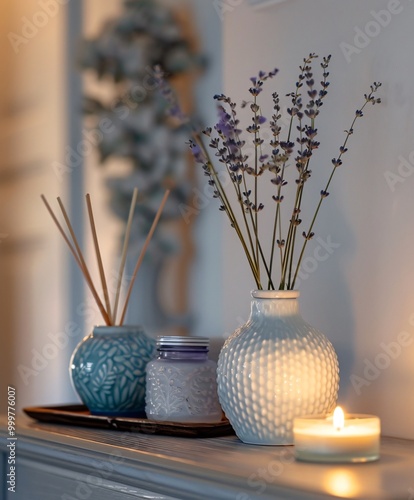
(108, 371)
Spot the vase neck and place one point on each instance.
(275, 303)
(116, 330)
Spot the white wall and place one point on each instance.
(33, 263)
(207, 293)
(363, 294)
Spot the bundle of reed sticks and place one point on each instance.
(109, 313)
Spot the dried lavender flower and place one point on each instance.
(270, 157)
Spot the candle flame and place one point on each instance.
(338, 418)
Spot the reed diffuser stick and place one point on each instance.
(72, 242)
(142, 254)
(99, 258)
(62, 232)
(84, 267)
(124, 250)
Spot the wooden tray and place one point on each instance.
(80, 415)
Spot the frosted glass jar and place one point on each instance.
(181, 383)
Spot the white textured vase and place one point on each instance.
(274, 368)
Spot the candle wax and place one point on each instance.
(316, 439)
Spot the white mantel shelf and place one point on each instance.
(68, 463)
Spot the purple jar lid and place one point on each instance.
(182, 341)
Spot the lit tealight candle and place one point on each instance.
(337, 438)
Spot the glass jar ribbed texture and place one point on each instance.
(181, 383)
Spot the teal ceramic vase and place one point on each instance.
(108, 370)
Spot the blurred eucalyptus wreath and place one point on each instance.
(133, 124)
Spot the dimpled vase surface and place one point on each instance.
(108, 370)
(274, 368)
